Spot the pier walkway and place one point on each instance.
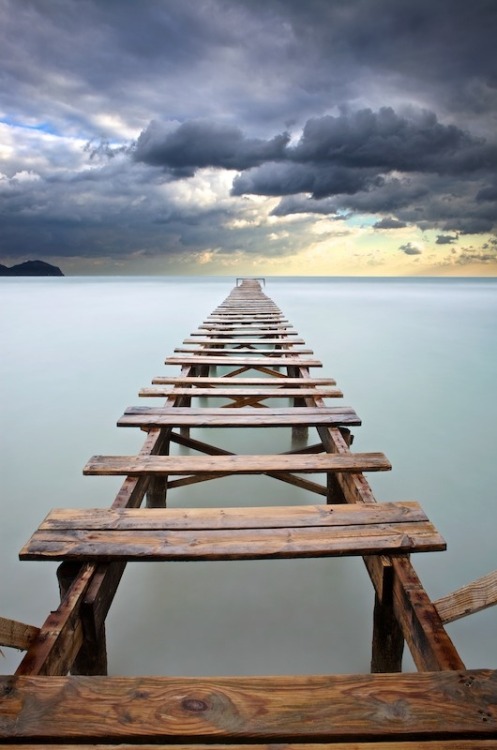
(245, 368)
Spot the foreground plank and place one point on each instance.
(260, 533)
(273, 709)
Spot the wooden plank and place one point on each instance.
(243, 359)
(280, 382)
(429, 643)
(263, 517)
(279, 341)
(469, 599)
(341, 708)
(243, 332)
(245, 350)
(155, 541)
(15, 634)
(452, 744)
(142, 416)
(237, 464)
(233, 392)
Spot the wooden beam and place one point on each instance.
(235, 464)
(244, 359)
(235, 393)
(142, 416)
(15, 634)
(227, 381)
(469, 599)
(326, 709)
(232, 533)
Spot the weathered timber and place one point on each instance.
(15, 634)
(246, 331)
(235, 464)
(280, 382)
(471, 598)
(244, 351)
(365, 708)
(233, 392)
(162, 534)
(142, 416)
(243, 359)
(263, 340)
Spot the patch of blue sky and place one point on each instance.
(43, 127)
(359, 220)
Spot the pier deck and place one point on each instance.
(246, 354)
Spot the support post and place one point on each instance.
(388, 640)
(92, 656)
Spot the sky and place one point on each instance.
(267, 137)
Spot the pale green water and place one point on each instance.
(417, 359)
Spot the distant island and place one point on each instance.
(31, 268)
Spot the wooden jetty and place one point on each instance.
(246, 357)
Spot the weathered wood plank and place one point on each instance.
(236, 464)
(158, 535)
(452, 744)
(264, 517)
(340, 708)
(245, 350)
(279, 341)
(142, 416)
(245, 331)
(243, 359)
(469, 599)
(15, 634)
(233, 392)
(280, 382)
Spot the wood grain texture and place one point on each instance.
(16, 634)
(236, 464)
(471, 598)
(142, 416)
(350, 708)
(233, 392)
(158, 534)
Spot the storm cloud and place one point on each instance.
(169, 128)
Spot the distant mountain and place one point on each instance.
(31, 268)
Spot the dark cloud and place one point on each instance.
(410, 249)
(389, 223)
(113, 111)
(446, 239)
(194, 145)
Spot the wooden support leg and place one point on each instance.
(156, 496)
(334, 491)
(92, 656)
(388, 640)
(156, 493)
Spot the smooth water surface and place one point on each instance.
(417, 359)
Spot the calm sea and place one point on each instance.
(417, 359)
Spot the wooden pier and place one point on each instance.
(243, 359)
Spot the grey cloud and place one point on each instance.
(287, 179)
(446, 239)
(389, 223)
(208, 83)
(410, 249)
(193, 145)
